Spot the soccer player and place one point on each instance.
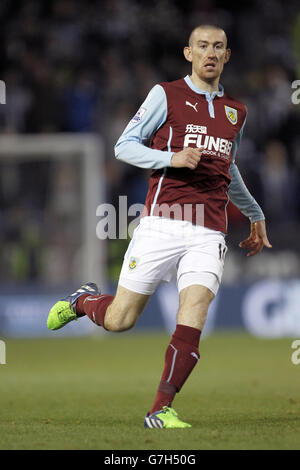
(194, 129)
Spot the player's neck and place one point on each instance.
(203, 85)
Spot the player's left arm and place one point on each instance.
(240, 196)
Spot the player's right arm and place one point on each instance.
(187, 158)
(132, 145)
(240, 196)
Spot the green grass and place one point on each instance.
(93, 393)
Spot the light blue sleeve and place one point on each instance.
(238, 192)
(132, 145)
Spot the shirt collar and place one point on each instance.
(209, 96)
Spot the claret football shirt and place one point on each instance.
(176, 115)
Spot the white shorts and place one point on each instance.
(165, 249)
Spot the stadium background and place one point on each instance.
(84, 67)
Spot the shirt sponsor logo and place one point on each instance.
(194, 129)
(215, 146)
(231, 114)
(139, 115)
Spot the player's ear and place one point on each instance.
(187, 51)
(227, 55)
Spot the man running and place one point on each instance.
(194, 129)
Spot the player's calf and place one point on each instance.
(123, 313)
(119, 321)
(125, 310)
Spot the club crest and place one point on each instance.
(133, 262)
(231, 114)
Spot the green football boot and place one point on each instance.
(165, 418)
(64, 310)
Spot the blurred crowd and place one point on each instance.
(86, 66)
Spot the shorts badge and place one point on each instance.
(231, 114)
(133, 262)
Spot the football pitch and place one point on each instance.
(93, 393)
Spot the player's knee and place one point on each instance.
(118, 326)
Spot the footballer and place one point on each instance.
(187, 132)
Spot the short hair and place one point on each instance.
(205, 26)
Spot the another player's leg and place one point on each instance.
(181, 356)
(114, 313)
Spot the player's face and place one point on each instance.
(208, 53)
